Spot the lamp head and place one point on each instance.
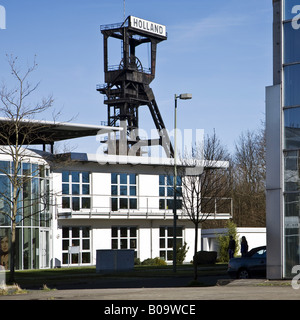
(185, 96)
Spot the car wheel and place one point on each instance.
(243, 274)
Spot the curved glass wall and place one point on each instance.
(291, 117)
(33, 219)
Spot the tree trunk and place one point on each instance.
(195, 252)
(12, 254)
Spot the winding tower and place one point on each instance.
(127, 88)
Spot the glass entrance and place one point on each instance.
(44, 248)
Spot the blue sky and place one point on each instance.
(220, 51)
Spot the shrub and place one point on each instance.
(181, 253)
(154, 262)
(223, 241)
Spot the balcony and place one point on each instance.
(147, 208)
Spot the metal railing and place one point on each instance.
(147, 207)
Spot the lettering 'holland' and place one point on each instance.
(148, 26)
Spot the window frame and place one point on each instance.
(124, 191)
(76, 190)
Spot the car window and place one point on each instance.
(259, 254)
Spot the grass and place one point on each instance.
(47, 279)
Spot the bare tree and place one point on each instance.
(249, 179)
(207, 193)
(17, 133)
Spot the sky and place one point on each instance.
(220, 51)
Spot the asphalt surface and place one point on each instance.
(170, 288)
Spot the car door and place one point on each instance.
(258, 263)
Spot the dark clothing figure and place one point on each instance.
(244, 246)
(231, 247)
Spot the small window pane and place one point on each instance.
(65, 232)
(86, 244)
(65, 188)
(85, 189)
(114, 243)
(75, 232)
(26, 169)
(123, 232)
(75, 188)
(65, 176)
(114, 204)
(124, 244)
(133, 191)
(114, 178)
(132, 179)
(65, 202)
(4, 167)
(133, 244)
(75, 203)
(133, 203)
(86, 257)
(123, 203)
(86, 203)
(75, 176)
(123, 190)
(85, 232)
(65, 244)
(161, 191)
(133, 232)
(162, 204)
(85, 177)
(114, 190)
(114, 232)
(161, 180)
(123, 178)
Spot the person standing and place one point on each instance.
(231, 247)
(244, 246)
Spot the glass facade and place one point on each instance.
(33, 217)
(291, 120)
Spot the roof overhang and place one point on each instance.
(46, 132)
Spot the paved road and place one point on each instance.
(141, 289)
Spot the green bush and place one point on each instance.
(154, 262)
(223, 241)
(181, 253)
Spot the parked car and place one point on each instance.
(253, 264)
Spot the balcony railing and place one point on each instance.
(147, 207)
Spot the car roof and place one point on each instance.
(252, 251)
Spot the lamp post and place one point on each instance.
(183, 96)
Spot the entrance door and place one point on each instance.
(44, 248)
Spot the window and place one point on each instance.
(166, 241)
(76, 190)
(124, 238)
(76, 237)
(123, 191)
(166, 192)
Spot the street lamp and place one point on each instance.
(183, 96)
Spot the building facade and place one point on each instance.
(34, 213)
(283, 143)
(74, 204)
(102, 203)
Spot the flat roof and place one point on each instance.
(191, 166)
(45, 132)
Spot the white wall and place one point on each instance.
(256, 237)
